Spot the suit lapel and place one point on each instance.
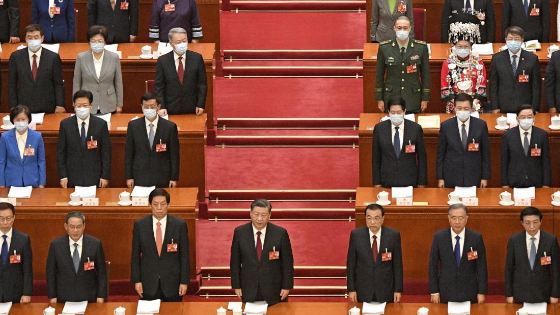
(14, 144)
(517, 139)
(157, 135)
(455, 134)
(150, 230)
(145, 131)
(104, 64)
(534, 140)
(250, 239)
(91, 66)
(448, 245)
(186, 68)
(28, 142)
(407, 137)
(382, 246)
(508, 62)
(27, 65)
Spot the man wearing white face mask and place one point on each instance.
(515, 76)
(181, 78)
(84, 147)
(152, 148)
(399, 155)
(403, 69)
(463, 155)
(525, 153)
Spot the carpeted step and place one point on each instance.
(289, 123)
(315, 54)
(299, 272)
(318, 290)
(279, 205)
(293, 137)
(284, 194)
(292, 68)
(285, 132)
(345, 214)
(282, 5)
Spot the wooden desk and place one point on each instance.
(290, 308)
(42, 218)
(191, 139)
(439, 53)
(135, 72)
(418, 224)
(368, 122)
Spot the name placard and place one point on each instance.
(404, 201)
(523, 202)
(470, 201)
(140, 201)
(90, 202)
(13, 201)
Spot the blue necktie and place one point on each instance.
(532, 253)
(84, 133)
(526, 6)
(458, 250)
(468, 6)
(76, 257)
(4, 250)
(514, 65)
(397, 142)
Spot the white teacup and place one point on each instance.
(124, 197)
(383, 197)
(502, 121)
(146, 50)
(221, 311)
(6, 121)
(553, 48)
(120, 311)
(75, 197)
(505, 197)
(555, 121)
(453, 197)
(556, 197)
(522, 311)
(423, 311)
(237, 311)
(354, 311)
(49, 311)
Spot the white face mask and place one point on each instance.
(396, 119)
(180, 48)
(526, 123)
(462, 52)
(97, 47)
(149, 113)
(34, 44)
(402, 35)
(462, 115)
(21, 125)
(82, 112)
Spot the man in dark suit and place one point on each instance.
(9, 22)
(552, 83)
(531, 15)
(76, 265)
(16, 273)
(374, 268)
(181, 78)
(261, 264)
(120, 17)
(84, 147)
(515, 76)
(160, 265)
(399, 156)
(35, 76)
(457, 267)
(525, 157)
(532, 262)
(152, 148)
(463, 155)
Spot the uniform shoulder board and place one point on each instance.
(385, 42)
(420, 42)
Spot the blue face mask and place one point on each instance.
(513, 45)
(97, 47)
(21, 125)
(34, 44)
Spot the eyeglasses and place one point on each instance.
(100, 41)
(375, 219)
(6, 219)
(81, 105)
(75, 227)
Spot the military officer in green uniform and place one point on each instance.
(403, 69)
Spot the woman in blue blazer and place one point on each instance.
(60, 27)
(23, 166)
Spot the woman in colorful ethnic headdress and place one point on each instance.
(463, 71)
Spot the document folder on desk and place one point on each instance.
(429, 122)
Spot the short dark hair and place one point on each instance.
(261, 203)
(457, 206)
(403, 17)
(32, 28)
(75, 214)
(150, 96)
(82, 93)
(524, 107)
(6, 206)
(530, 211)
(159, 192)
(514, 30)
(396, 101)
(97, 30)
(374, 206)
(18, 110)
(461, 97)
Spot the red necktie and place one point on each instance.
(374, 248)
(34, 67)
(259, 246)
(159, 241)
(181, 70)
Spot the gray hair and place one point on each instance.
(75, 214)
(457, 206)
(176, 30)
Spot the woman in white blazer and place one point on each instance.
(99, 71)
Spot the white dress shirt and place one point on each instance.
(518, 54)
(9, 239)
(80, 242)
(86, 126)
(378, 234)
(401, 134)
(97, 63)
(155, 122)
(460, 124)
(461, 240)
(263, 234)
(21, 141)
(38, 53)
(177, 61)
(528, 240)
(162, 226)
(51, 5)
(522, 133)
